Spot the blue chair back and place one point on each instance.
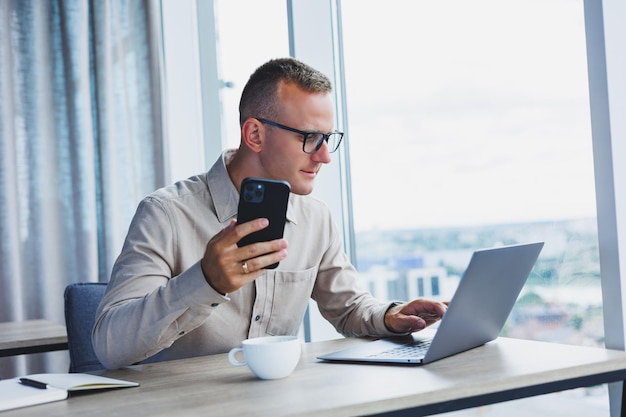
(81, 302)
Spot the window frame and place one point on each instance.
(606, 42)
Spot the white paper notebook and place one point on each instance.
(45, 388)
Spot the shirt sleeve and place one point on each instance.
(341, 298)
(145, 299)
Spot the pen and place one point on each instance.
(33, 383)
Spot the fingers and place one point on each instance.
(426, 309)
(234, 232)
(244, 229)
(407, 324)
(227, 267)
(414, 315)
(262, 255)
(429, 317)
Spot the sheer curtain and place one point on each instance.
(81, 142)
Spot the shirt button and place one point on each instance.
(215, 304)
(257, 318)
(181, 333)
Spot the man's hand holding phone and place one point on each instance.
(228, 267)
(240, 252)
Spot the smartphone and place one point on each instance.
(263, 198)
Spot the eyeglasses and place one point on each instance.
(312, 141)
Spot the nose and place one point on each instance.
(322, 155)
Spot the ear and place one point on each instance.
(253, 134)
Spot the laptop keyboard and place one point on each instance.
(405, 351)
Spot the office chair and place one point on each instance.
(81, 303)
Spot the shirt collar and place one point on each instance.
(224, 194)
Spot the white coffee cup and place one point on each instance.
(269, 357)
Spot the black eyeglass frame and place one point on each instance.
(325, 136)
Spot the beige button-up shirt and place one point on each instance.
(158, 302)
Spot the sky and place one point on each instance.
(459, 113)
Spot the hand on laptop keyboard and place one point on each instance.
(414, 315)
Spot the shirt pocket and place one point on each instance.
(292, 291)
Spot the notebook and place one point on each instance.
(476, 314)
(45, 388)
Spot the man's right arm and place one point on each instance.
(149, 304)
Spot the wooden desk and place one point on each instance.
(501, 370)
(31, 336)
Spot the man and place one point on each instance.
(173, 295)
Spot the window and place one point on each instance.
(390, 48)
(469, 127)
(245, 41)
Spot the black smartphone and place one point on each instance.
(263, 198)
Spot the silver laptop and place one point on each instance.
(476, 314)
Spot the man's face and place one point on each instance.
(282, 156)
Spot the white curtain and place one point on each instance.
(81, 142)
